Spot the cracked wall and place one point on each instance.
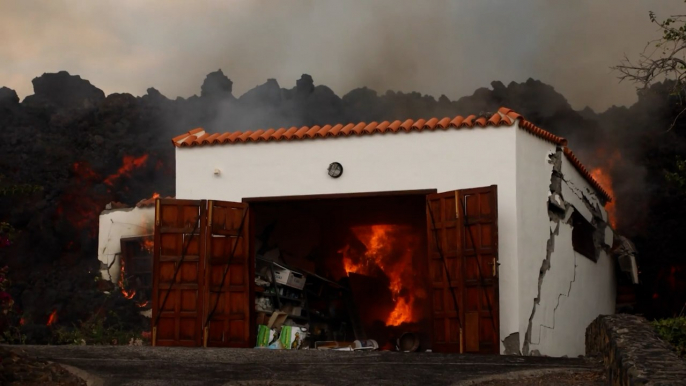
(561, 291)
(115, 224)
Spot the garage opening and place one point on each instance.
(296, 272)
(365, 261)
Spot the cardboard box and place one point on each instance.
(297, 311)
(276, 320)
(265, 335)
(292, 337)
(289, 278)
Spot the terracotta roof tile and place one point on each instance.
(585, 173)
(407, 125)
(369, 129)
(419, 125)
(503, 117)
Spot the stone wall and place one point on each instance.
(633, 353)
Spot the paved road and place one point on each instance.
(144, 365)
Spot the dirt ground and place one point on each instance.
(17, 368)
(147, 366)
(582, 378)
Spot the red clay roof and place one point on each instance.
(504, 117)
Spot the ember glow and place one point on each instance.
(388, 248)
(52, 318)
(148, 245)
(129, 164)
(127, 294)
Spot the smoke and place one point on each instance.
(438, 47)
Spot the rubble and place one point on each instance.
(17, 368)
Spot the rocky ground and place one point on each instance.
(17, 368)
(581, 378)
(145, 365)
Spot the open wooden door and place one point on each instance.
(201, 274)
(178, 272)
(462, 257)
(445, 271)
(228, 273)
(479, 211)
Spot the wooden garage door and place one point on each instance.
(178, 272)
(227, 304)
(464, 297)
(479, 211)
(445, 249)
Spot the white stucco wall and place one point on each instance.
(116, 224)
(442, 160)
(513, 159)
(533, 188)
(575, 289)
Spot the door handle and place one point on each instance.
(494, 266)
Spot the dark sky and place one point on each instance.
(434, 47)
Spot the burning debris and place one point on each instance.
(52, 318)
(388, 251)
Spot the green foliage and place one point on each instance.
(673, 28)
(106, 329)
(673, 330)
(7, 328)
(14, 189)
(677, 177)
(663, 58)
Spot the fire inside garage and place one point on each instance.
(360, 265)
(355, 237)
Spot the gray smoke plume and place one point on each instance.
(437, 47)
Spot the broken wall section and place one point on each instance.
(576, 277)
(559, 291)
(116, 222)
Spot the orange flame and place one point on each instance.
(128, 165)
(148, 245)
(127, 294)
(155, 195)
(143, 304)
(52, 319)
(605, 181)
(389, 249)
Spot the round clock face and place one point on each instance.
(335, 170)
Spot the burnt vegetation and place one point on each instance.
(84, 149)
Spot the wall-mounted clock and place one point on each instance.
(335, 169)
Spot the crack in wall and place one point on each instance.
(558, 211)
(557, 305)
(555, 187)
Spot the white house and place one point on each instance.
(541, 269)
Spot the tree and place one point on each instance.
(663, 58)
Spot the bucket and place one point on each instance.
(367, 344)
(408, 342)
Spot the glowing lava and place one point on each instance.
(129, 163)
(52, 318)
(388, 248)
